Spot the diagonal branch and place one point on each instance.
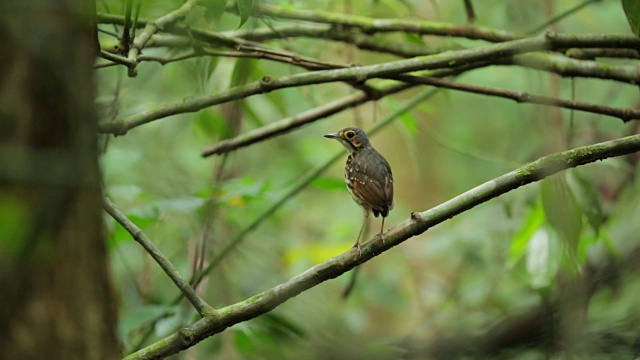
(296, 121)
(624, 114)
(138, 235)
(418, 223)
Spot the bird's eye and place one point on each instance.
(350, 134)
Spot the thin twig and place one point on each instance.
(138, 235)
(560, 16)
(117, 59)
(590, 54)
(126, 30)
(136, 16)
(624, 114)
(468, 7)
(108, 32)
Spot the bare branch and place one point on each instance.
(138, 235)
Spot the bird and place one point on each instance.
(367, 175)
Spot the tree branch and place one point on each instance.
(418, 223)
(362, 73)
(288, 124)
(624, 114)
(371, 25)
(138, 235)
(153, 27)
(565, 66)
(471, 14)
(325, 32)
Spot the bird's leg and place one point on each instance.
(381, 230)
(357, 244)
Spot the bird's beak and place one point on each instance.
(332, 136)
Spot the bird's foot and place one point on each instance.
(357, 246)
(382, 237)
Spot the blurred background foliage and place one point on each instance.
(456, 281)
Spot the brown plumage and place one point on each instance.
(367, 175)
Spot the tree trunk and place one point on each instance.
(56, 295)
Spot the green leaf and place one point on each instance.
(533, 222)
(243, 343)
(242, 70)
(196, 17)
(238, 192)
(244, 9)
(561, 210)
(209, 124)
(587, 197)
(632, 10)
(213, 65)
(215, 8)
(280, 326)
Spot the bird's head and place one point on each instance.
(352, 138)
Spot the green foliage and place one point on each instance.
(561, 210)
(632, 10)
(532, 223)
(587, 197)
(244, 9)
(215, 8)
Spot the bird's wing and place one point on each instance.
(374, 188)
